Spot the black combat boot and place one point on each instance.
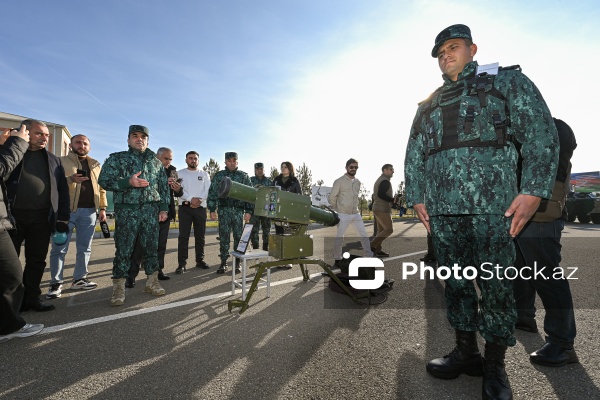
(464, 359)
(495, 381)
(223, 267)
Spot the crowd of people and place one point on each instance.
(487, 170)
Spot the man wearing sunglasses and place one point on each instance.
(344, 199)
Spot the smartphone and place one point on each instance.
(82, 172)
(179, 180)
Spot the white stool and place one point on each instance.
(249, 255)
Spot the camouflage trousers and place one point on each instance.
(263, 223)
(131, 223)
(231, 220)
(483, 242)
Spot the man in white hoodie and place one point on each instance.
(344, 200)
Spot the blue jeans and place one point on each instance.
(84, 221)
(540, 242)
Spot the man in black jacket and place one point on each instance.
(39, 199)
(13, 146)
(539, 248)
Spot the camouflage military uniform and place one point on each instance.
(136, 209)
(467, 187)
(263, 223)
(230, 211)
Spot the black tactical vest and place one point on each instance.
(448, 99)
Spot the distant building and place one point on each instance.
(60, 137)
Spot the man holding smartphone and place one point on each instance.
(86, 199)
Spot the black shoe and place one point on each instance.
(222, 268)
(464, 359)
(162, 276)
(265, 246)
(201, 264)
(495, 384)
(428, 258)
(380, 253)
(553, 355)
(37, 305)
(237, 270)
(527, 325)
(180, 270)
(129, 282)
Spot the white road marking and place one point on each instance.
(108, 318)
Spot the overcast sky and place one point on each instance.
(314, 81)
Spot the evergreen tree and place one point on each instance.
(274, 173)
(363, 194)
(305, 178)
(211, 168)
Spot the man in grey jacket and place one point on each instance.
(344, 200)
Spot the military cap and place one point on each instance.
(138, 128)
(259, 165)
(451, 32)
(231, 154)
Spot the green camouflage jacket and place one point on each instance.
(213, 193)
(119, 167)
(481, 180)
(265, 181)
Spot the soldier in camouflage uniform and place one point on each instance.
(260, 179)
(460, 167)
(141, 197)
(232, 213)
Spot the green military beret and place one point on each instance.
(138, 128)
(451, 32)
(231, 154)
(259, 165)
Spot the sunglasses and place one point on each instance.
(353, 167)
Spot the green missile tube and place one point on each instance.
(273, 203)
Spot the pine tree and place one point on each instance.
(274, 173)
(211, 168)
(305, 178)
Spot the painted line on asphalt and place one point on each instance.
(128, 314)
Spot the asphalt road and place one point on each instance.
(304, 342)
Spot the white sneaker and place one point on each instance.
(27, 330)
(55, 291)
(83, 284)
